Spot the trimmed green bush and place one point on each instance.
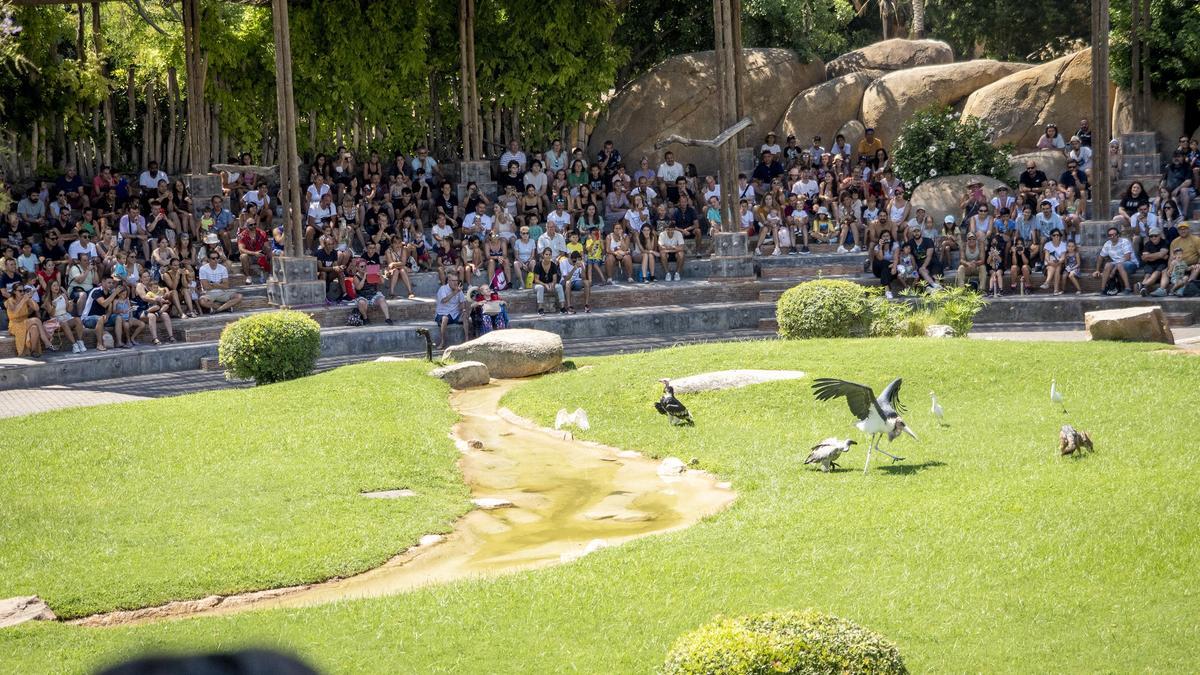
(782, 642)
(824, 308)
(270, 347)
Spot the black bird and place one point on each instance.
(424, 332)
(671, 407)
(876, 416)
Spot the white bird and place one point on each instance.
(936, 409)
(877, 417)
(827, 451)
(579, 418)
(1056, 395)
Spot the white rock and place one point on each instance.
(938, 330)
(24, 608)
(389, 494)
(515, 352)
(731, 379)
(431, 539)
(463, 374)
(490, 503)
(671, 466)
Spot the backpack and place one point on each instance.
(354, 318)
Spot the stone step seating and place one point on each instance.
(208, 327)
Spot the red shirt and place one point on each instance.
(252, 239)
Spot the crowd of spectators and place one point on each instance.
(123, 255)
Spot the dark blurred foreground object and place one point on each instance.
(247, 662)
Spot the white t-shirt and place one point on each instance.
(214, 276)
(561, 220)
(669, 173)
(149, 182)
(1056, 252)
(648, 194)
(709, 193)
(556, 161)
(254, 198)
(807, 188)
(509, 156)
(322, 214)
(557, 243)
(537, 180)
(127, 227)
(526, 250)
(75, 249)
(773, 147)
(568, 271)
(667, 240)
(448, 302)
(477, 223)
(315, 193)
(1083, 156)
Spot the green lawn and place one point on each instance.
(131, 505)
(981, 552)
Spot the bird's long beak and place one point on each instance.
(910, 433)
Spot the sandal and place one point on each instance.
(171, 339)
(570, 310)
(157, 342)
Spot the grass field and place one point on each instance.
(131, 505)
(981, 552)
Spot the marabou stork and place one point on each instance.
(877, 416)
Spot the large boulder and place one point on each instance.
(678, 96)
(822, 109)
(889, 55)
(1166, 119)
(1053, 162)
(1019, 106)
(889, 101)
(1137, 324)
(24, 608)
(463, 375)
(941, 196)
(515, 352)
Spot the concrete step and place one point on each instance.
(377, 338)
(1179, 319)
(768, 323)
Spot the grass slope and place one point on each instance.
(981, 552)
(136, 504)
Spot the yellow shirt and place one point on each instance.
(1190, 246)
(573, 247)
(869, 148)
(594, 248)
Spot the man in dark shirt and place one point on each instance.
(52, 247)
(609, 158)
(1031, 181)
(1084, 133)
(1178, 180)
(687, 220)
(511, 177)
(71, 185)
(368, 274)
(768, 168)
(1075, 177)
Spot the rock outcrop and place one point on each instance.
(892, 99)
(24, 608)
(941, 196)
(823, 109)
(1019, 106)
(1136, 324)
(678, 96)
(889, 55)
(515, 352)
(463, 374)
(1166, 119)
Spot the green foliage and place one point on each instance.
(270, 347)
(938, 142)
(1174, 41)
(955, 306)
(886, 318)
(822, 308)
(783, 642)
(1009, 30)
(814, 29)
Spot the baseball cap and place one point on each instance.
(1184, 225)
(823, 211)
(949, 219)
(1156, 232)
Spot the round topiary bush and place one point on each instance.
(783, 642)
(824, 308)
(270, 347)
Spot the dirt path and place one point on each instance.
(543, 499)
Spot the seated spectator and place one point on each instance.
(1116, 257)
(1030, 182)
(768, 167)
(254, 249)
(608, 159)
(321, 218)
(179, 282)
(971, 263)
(667, 174)
(571, 270)
(927, 263)
(57, 306)
(499, 274)
(215, 294)
(1019, 264)
(670, 247)
(554, 241)
(1177, 178)
(31, 211)
(367, 277)
(1053, 259)
(619, 252)
(513, 154)
(449, 305)
(1184, 266)
(153, 305)
(97, 313)
(1051, 139)
(547, 275)
(869, 145)
(23, 322)
(1155, 254)
(883, 261)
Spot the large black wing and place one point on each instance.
(859, 396)
(673, 406)
(892, 395)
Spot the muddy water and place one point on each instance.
(566, 497)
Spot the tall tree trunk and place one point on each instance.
(918, 19)
(172, 114)
(131, 111)
(34, 143)
(196, 70)
(107, 103)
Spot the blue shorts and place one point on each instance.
(577, 285)
(437, 318)
(1130, 266)
(91, 321)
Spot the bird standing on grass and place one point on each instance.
(671, 407)
(877, 417)
(1056, 395)
(936, 409)
(827, 451)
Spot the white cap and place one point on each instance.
(949, 219)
